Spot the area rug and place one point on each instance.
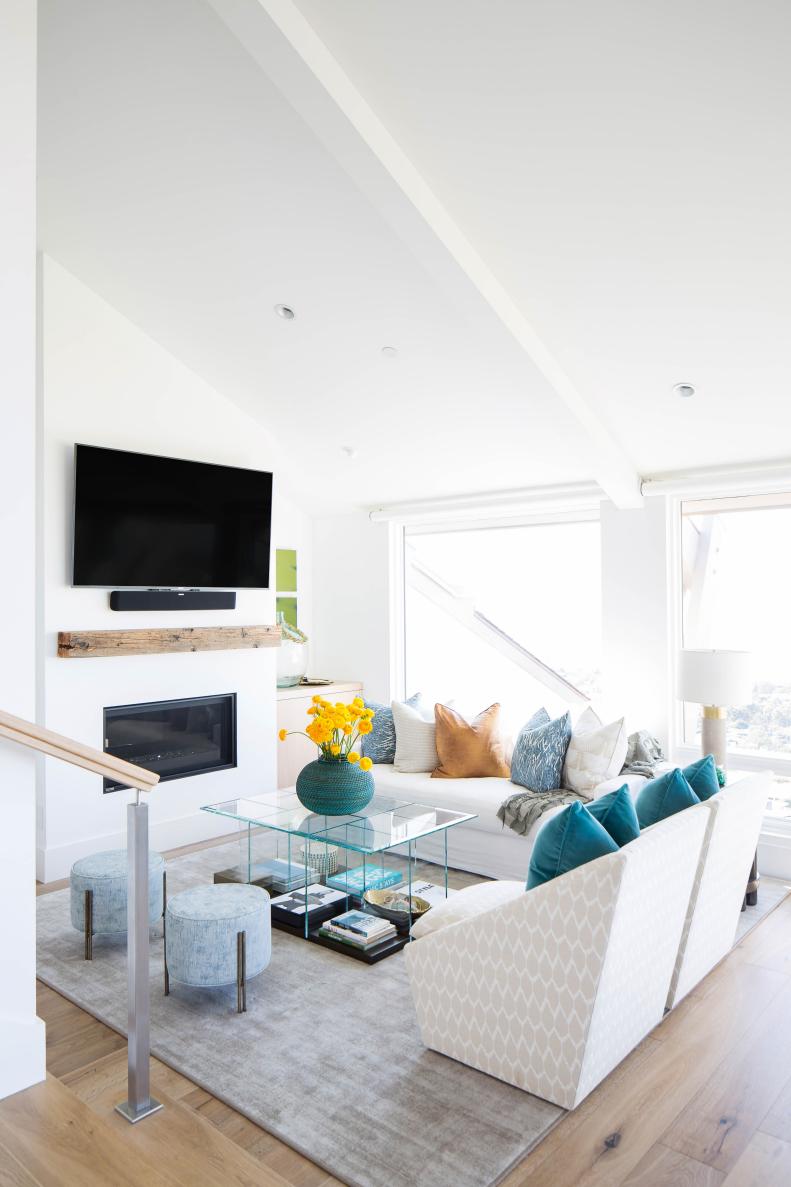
(328, 1056)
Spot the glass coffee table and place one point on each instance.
(306, 845)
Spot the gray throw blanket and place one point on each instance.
(643, 754)
(521, 810)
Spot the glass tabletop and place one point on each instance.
(385, 823)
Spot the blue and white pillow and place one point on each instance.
(380, 744)
(540, 750)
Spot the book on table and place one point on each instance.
(319, 900)
(363, 878)
(357, 941)
(359, 929)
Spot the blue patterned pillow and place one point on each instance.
(380, 744)
(537, 761)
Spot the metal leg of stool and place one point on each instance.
(241, 973)
(88, 913)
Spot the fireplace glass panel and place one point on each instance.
(174, 738)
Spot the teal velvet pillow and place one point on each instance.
(702, 777)
(615, 812)
(663, 797)
(570, 839)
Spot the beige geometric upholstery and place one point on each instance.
(718, 893)
(551, 990)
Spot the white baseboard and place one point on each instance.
(55, 863)
(24, 1047)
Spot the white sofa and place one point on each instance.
(549, 989)
(484, 846)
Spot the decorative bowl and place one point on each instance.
(379, 901)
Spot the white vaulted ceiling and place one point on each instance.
(555, 210)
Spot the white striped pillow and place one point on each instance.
(416, 739)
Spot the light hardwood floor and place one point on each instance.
(705, 1101)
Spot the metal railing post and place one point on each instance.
(139, 1102)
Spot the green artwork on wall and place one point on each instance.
(288, 608)
(286, 570)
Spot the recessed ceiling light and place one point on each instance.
(349, 450)
(285, 311)
(389, 352)
(685, 390)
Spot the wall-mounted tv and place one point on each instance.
(146, 522)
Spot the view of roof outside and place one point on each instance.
(736, 575)
(540, 585)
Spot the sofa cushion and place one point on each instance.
(616, 812)
(380, 744)
(416, 747)
(469, 749)
(663, 797)
(537, 761)
(570, 839)
(596, 752)
(702, 777)
(465, 904)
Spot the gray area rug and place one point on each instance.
(328, 1056)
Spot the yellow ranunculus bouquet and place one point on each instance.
(337, 728)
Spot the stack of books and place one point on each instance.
(358, 930)
(285, 877)
(355, 881)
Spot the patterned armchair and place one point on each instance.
(737, 813)
(551, 990)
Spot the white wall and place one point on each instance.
(106, 383)
(637, 623)
(22, 1047)
(351, 604)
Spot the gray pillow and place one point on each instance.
(537, 761)
(380, 744)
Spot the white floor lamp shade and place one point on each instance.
(715, 679)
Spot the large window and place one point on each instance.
(504, 614)
(736, 579)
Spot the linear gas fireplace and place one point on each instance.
(173, 738)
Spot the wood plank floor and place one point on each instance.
(705, 1101)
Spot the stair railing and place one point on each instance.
(139, 1102)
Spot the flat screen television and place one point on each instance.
(145, 522)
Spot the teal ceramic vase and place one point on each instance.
(334, 787)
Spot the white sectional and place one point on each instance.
(484, 846)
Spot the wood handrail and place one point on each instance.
(36, 737)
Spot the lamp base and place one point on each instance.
(713, 731)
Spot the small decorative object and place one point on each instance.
(292, 655)
(394, 905)
(320, 857)
(722, 778)
(340, 781)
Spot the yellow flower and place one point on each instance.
(282, 734)
(317, 699)
(335, 749)
(347, 729)
(352, 757)
(365, 726)
(365, 764)
(313, 710)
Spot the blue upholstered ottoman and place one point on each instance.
(98, 893)
(218, 935)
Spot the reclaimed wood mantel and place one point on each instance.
(92, 644)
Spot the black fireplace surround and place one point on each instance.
(174, 738)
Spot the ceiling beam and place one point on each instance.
(285, 44)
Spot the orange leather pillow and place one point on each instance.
(469, 749)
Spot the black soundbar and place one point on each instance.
(172, 599)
